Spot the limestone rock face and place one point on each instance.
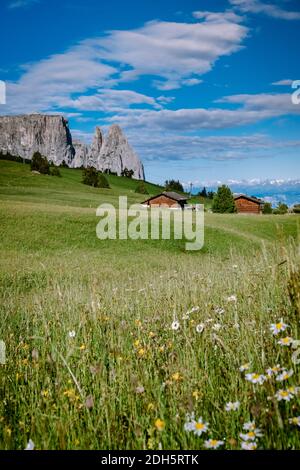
(50, 135)
(26, 134)
(116, 154)
(111, 152)
(81, 154)
(95, 148)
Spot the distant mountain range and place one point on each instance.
(273, 190)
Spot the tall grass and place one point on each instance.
(92, 361)
(125, 368)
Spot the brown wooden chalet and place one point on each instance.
(167, 198)
(248, 204)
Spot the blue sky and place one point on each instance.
(202, 89)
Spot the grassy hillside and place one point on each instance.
(125, 368)
(17, 181)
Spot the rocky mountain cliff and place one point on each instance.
(50, 135)
(111, 152)
(23, 135)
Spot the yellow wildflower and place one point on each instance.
(160, 424)
(71, 394)
(176, 377)
(7, 431)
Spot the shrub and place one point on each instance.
(90, 176)
(55, 171)
(127, 173)
(94, 178)
(173, 185)
(40, 163)
(13, 158)
(267, 209)
(203, 193)
(296, 209)
(102, 181)
(141, 188)
(223, 201)
(281, 209)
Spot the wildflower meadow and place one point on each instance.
(140, 345)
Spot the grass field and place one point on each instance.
(92, 360)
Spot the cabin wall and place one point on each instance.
(246, 206)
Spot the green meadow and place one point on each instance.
(114, 344)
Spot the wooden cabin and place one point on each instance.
(248, 204)
(167, 198)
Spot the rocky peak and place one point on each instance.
(50, 135)
(26, 134)
(117, 154)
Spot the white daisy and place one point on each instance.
(200, 327)
(256, 378)
(30, 445)
(249, 436)
(287, 341)
(285, 395)
(295, 421)
(232, 298)
(273, 370)
(232, 406)
(175, 325)
(72, 334)
(278, 327)
(249, 426)
(253, 432)
(285, 375)
(213, 444)
(249, 445)
(293, 390)
(198, 426)
(245, 367)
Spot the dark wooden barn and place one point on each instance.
(248, 204)
(167, 198)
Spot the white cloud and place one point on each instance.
(285, 82)
(21, 3)
(171, 146)
(269, 9)
(109, 100)
(45, 85)
(177, 54)
(270, 104)
(250, 109)
(174, 52)
(217, 17)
